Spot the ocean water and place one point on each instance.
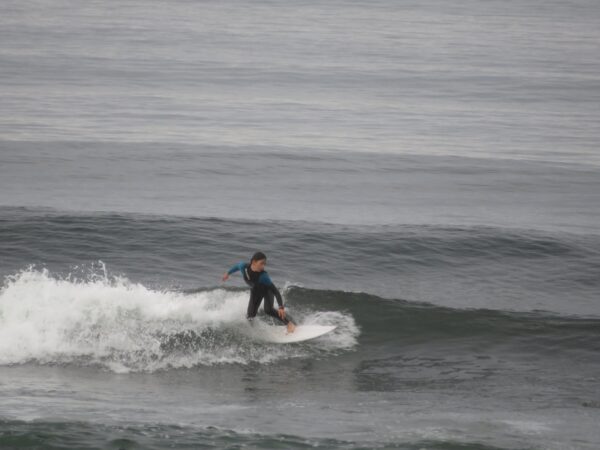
(423, 175)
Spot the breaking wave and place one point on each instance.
(125, 326)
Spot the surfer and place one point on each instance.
(261, 286)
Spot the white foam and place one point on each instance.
(125, 326)
(345, 334)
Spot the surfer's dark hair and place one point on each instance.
(258, 256)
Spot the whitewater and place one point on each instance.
(122, 326)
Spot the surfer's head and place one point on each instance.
(258, 262)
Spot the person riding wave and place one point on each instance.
(261, 286)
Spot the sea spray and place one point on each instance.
(123, 326)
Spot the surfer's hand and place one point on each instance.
(281, 313)
(225, 276)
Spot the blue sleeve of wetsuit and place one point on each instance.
(238, 266)
(265, 279)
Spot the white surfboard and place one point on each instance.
(278, 334)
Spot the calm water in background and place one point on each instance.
(424, 175)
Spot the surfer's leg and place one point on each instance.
(256, 297)
(270, 310)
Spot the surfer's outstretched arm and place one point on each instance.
(235, 268)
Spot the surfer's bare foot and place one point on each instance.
(290, 327)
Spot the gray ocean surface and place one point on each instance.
(424, 175)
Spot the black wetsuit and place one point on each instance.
(261, 287)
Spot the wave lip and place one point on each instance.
(125, 326)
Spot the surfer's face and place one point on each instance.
(258, 266)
